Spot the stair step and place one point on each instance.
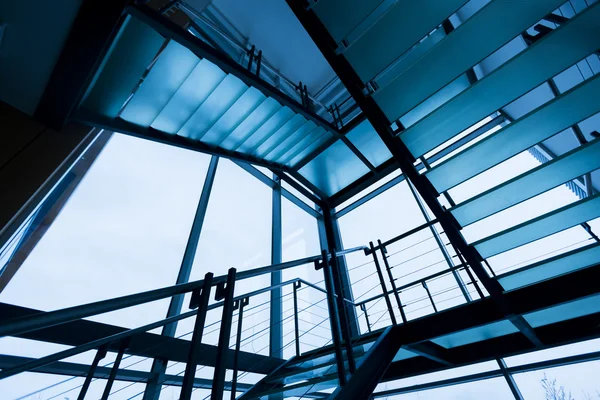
(216, 104)
(203, 80)
(280, 135)
(277, 120)
(234, 117)
(291, 141)
(172, 68)
(128, 59)
(251, 124)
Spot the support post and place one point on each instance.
(100, 354)
(223, 292)
(363, 308)
(276, 312)
(159, 366)
(509, 380)
(200, 298)
(296, 285)
(386, 296)
(429, 295)
(333, 317)
(240, 305)
(115, 369)
(333, 242)
(392, 280)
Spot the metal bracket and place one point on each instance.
(195, 300)
(221, 291)
(297, 285)
(319, 264)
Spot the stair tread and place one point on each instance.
(193, 92)
(167, 75)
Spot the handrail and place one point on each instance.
(400, 288)
(403, 235)
(37, 363)
(51, 318)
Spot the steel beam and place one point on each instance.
(125, 375)
(119, 125)
(377, 360)
(81, 332)
(404, 158)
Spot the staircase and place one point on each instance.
(156, 85)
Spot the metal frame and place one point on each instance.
(405, 160)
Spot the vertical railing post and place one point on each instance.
(429, 295)
(100, 354)
(392, 280)
(334, 318)
(363, 308)
(240, 304)
(296, 286)
(386, 296)
(200, 298)
(224, 292)
(113, 372)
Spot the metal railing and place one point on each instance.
(200, 293)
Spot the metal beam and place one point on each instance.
(122, 126)
(364, 182)
(432, 351)
(125, 375)
(377, 360)
(404, 158)
(79, 332)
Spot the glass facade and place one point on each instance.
(460, 209)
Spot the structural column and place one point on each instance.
(159, 367)
(276, 311)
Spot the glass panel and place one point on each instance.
(123, 231)
(334, 169)
(578, 381)
(490, 389)
(236, 233)
(368, 142)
